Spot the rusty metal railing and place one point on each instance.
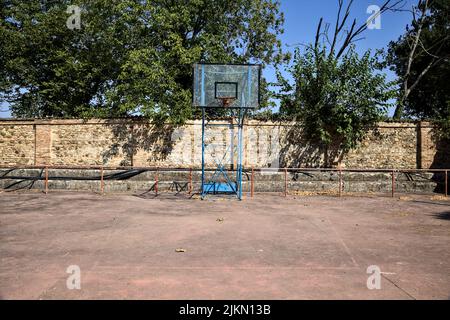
(252, 171)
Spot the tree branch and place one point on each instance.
(353, 33)
(422, 74)
(406, 89)
(316, 42)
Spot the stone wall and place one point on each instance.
(138, 143)
(17, 143)
(390, 145)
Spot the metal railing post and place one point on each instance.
(285, 183)
(340, 182)
(156, 181)
(190, 180)
(393, 183)
(446, 183)
(102, 183)
(46, 179)
(252, 186)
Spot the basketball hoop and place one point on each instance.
(231, 88)
(226, 101)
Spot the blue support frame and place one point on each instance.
(212, 186)
(230, 183)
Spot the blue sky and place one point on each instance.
(302, 16)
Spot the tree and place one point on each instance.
(337, 95)
(130, 57)
(335, 101)
(420, 58)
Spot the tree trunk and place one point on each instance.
(398, 112)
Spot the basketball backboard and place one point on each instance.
(226, 85)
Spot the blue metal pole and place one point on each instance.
(240, 127)
(203, 152)
(202, 102)
(242, 113)
(249, 85)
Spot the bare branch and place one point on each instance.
(348, 39)
(354, 33)
(423, 73)
(415, 44)
(338, 26)
(438, 51)
(426, 51)
(319, 27)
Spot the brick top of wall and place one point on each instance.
(12, 121)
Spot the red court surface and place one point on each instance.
(269, 247)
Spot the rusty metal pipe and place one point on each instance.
(446, 183)
(393, 183)
(190, 180)
(252, 186)
(285, 183)
(102, 183)
(156, 182)
(97, 167)
(46, 180)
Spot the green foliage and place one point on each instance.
(334, 100)
(130, 57)
(430, 99)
